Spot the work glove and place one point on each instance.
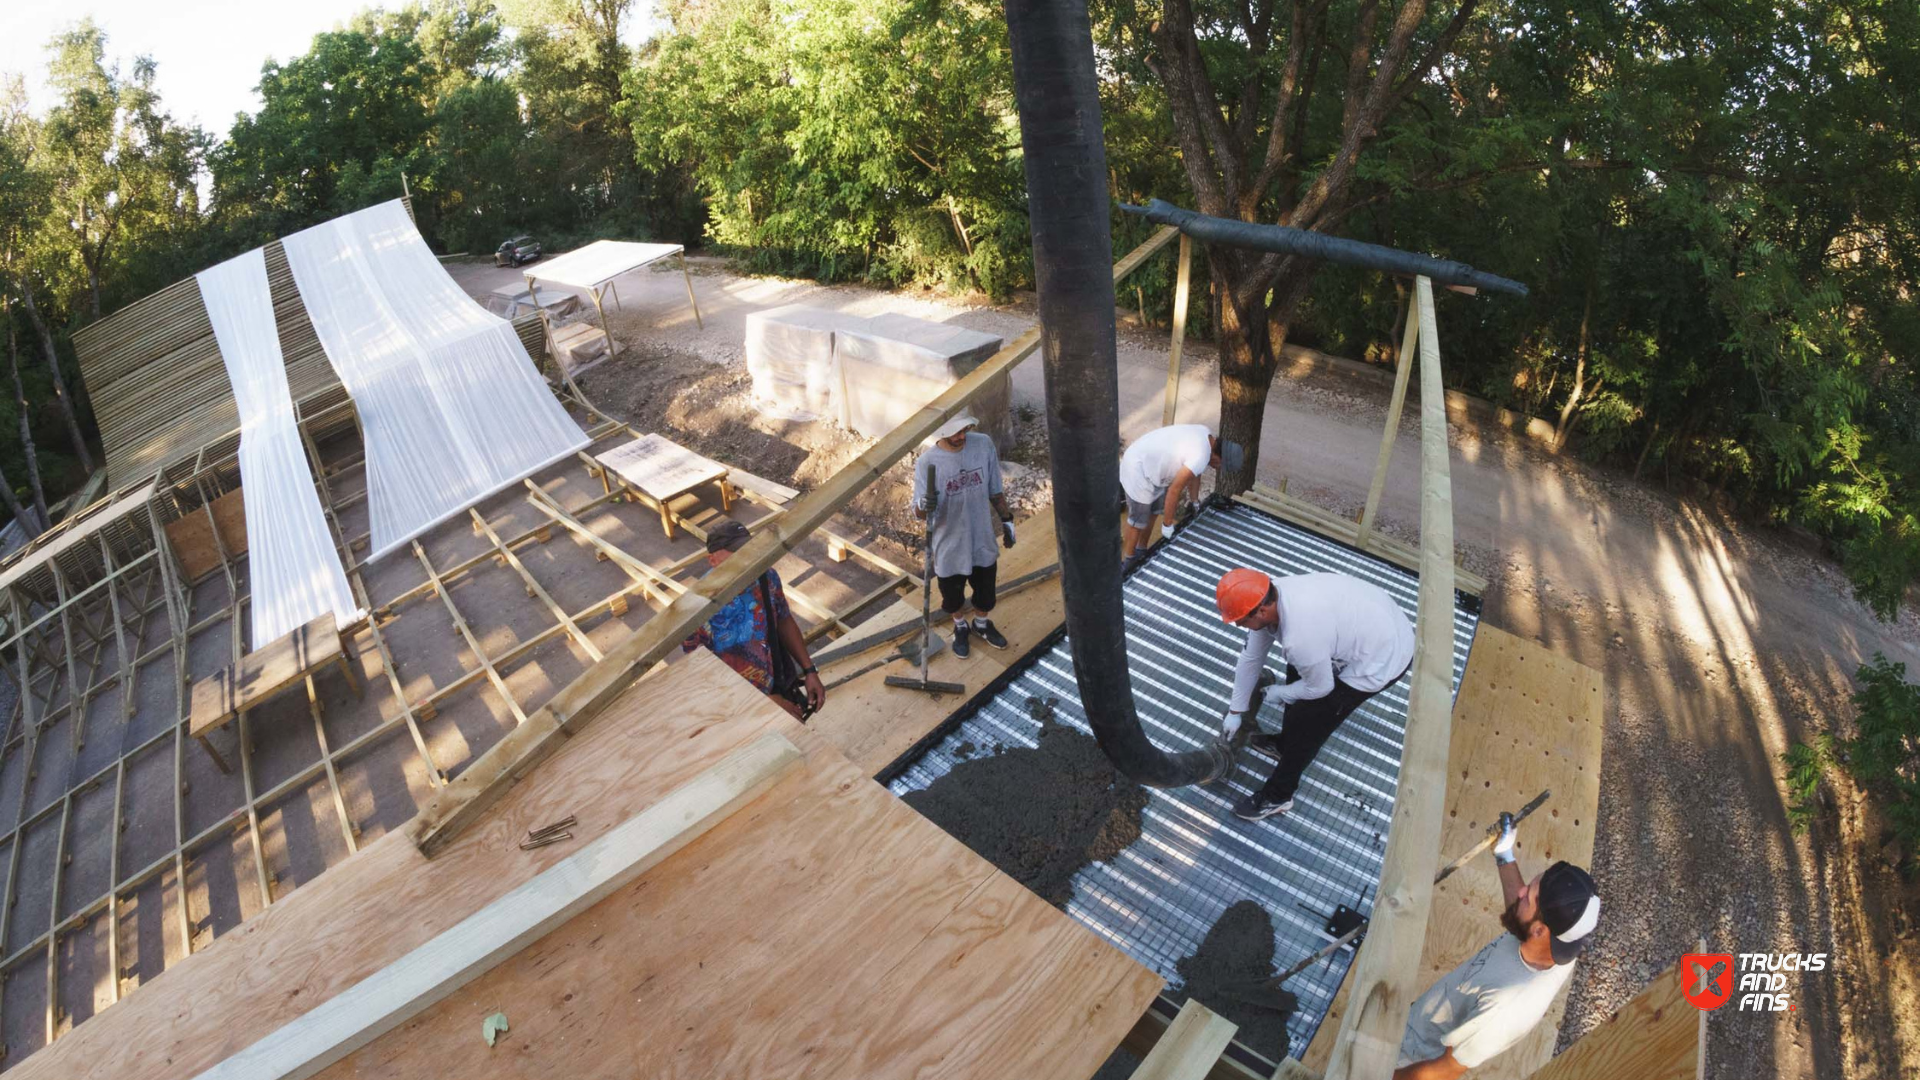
(1006, 533)
(1271, 695)
(1509, 833)
(1230, 725)
(1187, 514)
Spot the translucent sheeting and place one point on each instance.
(790, 357)
(889, 368)
(450, 404)
(293, 566)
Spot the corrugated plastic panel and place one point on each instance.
(1194, 858)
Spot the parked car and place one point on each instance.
(520, 249)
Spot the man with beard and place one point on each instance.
(1487, 1004)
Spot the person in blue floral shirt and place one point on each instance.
(738, 633)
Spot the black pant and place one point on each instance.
(953, 589)
(1305, 727)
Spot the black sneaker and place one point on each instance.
(1254, 807)
(991, 634)
(960, 647)
(1264, 743)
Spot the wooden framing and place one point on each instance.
(396, 993)
(1181, 282)
(464, 800)
(1385, 974)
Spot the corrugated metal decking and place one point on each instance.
(1194, 858)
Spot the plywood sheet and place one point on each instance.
(1526, 718)
(824, 929)
(1656, 1036)
(192, 536)
(263, 673)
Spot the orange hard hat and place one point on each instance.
(1240, 591)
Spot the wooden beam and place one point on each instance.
(1656, 1036)
(431, 972)
(1391, 433)
(1385, 973)
(1190, 1045)
(1181, 281)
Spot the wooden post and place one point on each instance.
(689, 280)
(1179, 330)
(1385, 973)
(604, 332)
(1389, 436)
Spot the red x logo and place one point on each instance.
(1707, 979)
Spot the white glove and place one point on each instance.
(1230, 725)
(1271, 695)
(1007, 527)
(1509, 833)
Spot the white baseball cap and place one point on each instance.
(955, 426)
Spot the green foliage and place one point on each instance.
(844, 140)
(1884, 757)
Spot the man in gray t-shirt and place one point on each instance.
(969, 519)
(1479, 1009)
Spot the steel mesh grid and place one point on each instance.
(1161, 895)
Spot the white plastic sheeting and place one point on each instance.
(867, 374)
(450, 404)
(293, 568)
(889, 368)
(790, 359)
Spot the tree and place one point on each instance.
(1250, 115)
(337, 127)
(45, 520)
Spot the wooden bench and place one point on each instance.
(262, 675)
(661, 470)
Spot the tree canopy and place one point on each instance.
(1714, 205)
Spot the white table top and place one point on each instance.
(599, 262)
(661, 467)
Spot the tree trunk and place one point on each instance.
(1645, 450)
(1565, 426)
(20, 513)
(26, 433)
(59, 381)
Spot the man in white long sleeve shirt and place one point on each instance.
(1344, 639)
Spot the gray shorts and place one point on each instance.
(1141, 514)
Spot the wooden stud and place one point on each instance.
(1191, 1045)
(460, 627)
(1391, 433)
(1172, 405)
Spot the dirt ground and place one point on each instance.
(1721, 643)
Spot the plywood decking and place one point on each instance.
(1526, 718)
(1658, 1035)
(825, 927)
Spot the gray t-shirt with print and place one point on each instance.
(965, 529)
(1481, 1007)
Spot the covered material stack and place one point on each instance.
(867, 374)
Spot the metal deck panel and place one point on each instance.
(1193, 860)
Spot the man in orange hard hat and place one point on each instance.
(1343, 641)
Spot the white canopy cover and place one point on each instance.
(450, 404)
(294, 568)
